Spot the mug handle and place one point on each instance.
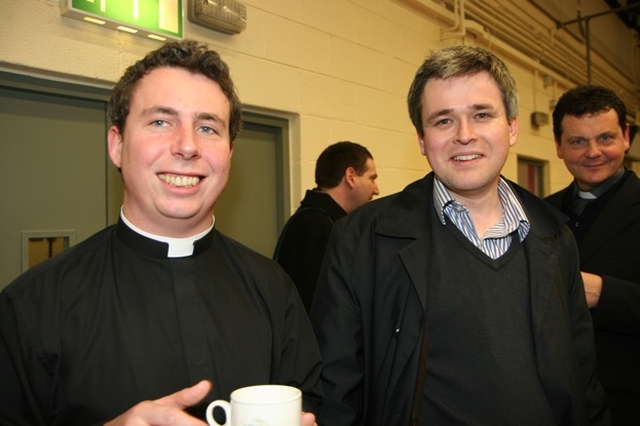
(227, 412)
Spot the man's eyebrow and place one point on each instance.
(473, 107)
(608, 133)
(477, 107)
(173, 112)
(160, 109)
(209, 116)
(579, 134)
(439, 113)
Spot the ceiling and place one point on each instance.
(627, 11)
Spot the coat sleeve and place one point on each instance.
(301, 250)
(336, 319)
(300, 362)
(582, 327)
(19, 374)
(619, 306)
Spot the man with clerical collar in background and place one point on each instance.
(603, 204)
(149, 320)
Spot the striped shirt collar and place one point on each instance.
(513, 217)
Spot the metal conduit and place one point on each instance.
(556, 56)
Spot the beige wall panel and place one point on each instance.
(338, 69)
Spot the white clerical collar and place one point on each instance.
(586, 195)
(178, 247)
(594, 193)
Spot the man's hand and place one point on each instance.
(592, 288)
(166, 411)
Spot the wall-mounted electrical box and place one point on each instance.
(227, 16)
(539, 118)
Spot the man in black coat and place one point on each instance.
(603, 204)
(459, 299)
(346, 178)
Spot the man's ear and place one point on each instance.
(114, 140)
(421, 142)
(513, 131)
(626, 133)
(558, 150)
(350, 176)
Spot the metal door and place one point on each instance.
(58, 180)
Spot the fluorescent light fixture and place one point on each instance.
(127, 29)
(94, 20)
(157, 37)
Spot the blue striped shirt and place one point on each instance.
(497, 240)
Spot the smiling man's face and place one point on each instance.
(593, 147)
(467, 136)
(174, 153)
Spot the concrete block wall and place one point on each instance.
(337, 69)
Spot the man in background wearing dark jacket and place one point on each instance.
(346, 179)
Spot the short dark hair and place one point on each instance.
(336, 159)
(190, 55)
(585, 100)
(459, 61)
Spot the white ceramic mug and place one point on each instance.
(263, 405)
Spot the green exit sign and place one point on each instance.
(157, 19)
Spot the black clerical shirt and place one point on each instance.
(113, 321)
(582, 211)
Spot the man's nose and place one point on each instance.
(466, 133)
(593, 150)
(187, 144)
